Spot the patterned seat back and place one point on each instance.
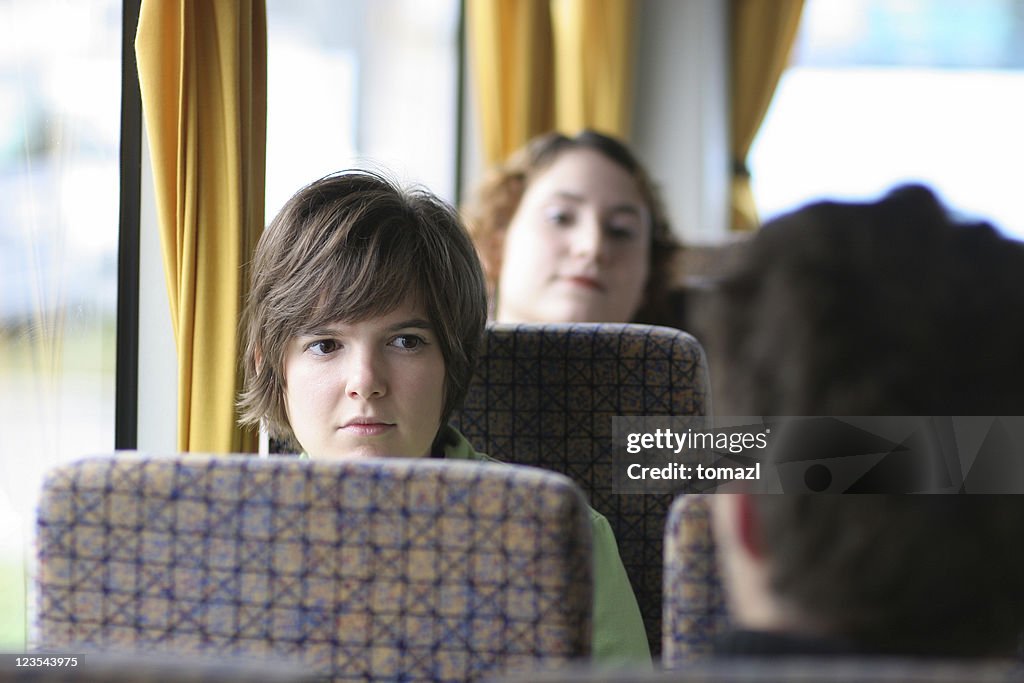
(695, 609)
(545, 395)
(370, 570)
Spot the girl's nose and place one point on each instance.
(588, 239)
(365, 377)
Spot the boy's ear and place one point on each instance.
(257, 357)
(748, 524)
(737, 525)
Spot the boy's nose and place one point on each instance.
(365, 376)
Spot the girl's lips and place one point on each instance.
(584, 281)
(367, 428)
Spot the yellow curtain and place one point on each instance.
(762, 37)
(202, 71)
(541, 65)
(593, 64)
(510, 42)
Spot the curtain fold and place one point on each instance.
(762, 36)
(511, 48)
(593, 64)
(542, 65)
(202, 72)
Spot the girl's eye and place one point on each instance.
(620, 232)
(408, 342)
(323, 347)
(559, 216)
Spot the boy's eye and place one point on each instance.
(408, 342)
(323, 347)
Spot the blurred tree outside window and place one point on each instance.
(60, 98)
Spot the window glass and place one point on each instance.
(882, 92)
(361, 83)
(60, 95)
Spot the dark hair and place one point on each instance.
(925, 575)
(883, 308)
(495, 201)
(346, 248)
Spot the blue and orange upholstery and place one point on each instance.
(370, 570)
(695, 606)
(545, 395)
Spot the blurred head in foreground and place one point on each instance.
(874, 309)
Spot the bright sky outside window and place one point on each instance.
(883, 92)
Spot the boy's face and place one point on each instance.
(370, 388)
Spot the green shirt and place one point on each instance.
(619, 636)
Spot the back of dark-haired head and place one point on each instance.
(883, 308)
(346, 248)
(496, 199)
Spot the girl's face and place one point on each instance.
(371, 388)
(578, 246)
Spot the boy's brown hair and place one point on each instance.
(348, 247)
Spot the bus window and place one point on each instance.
(60, 98)
(884, 91)
(367, 83)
